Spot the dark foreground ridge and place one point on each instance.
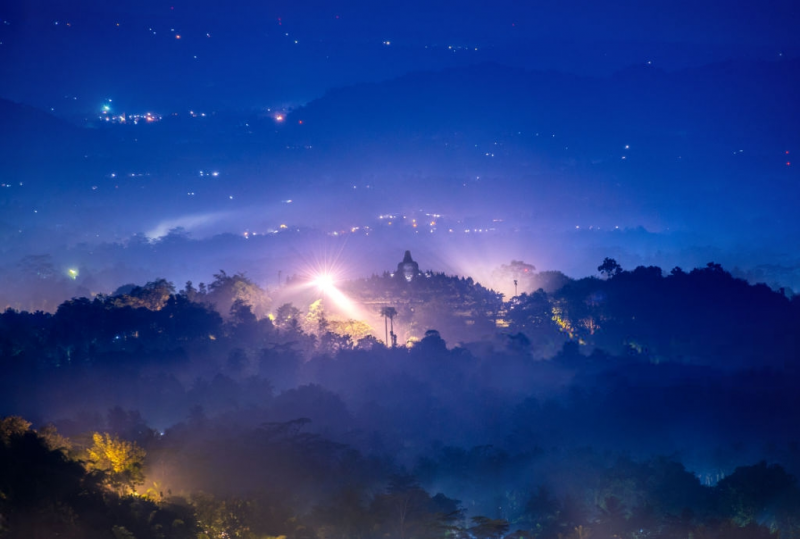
(631, 405)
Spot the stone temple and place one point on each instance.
(408, 269)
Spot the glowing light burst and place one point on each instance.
(327, 285)
(324, 282)
(322, 274)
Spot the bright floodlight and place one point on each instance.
(324, 275)
(326, 284)
(323, 282)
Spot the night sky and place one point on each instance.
(311, 269)
(554, 132)
(247, 55)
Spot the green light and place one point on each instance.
(73, 273)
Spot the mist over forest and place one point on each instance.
(399, 270)
(469, 166)
(634, 403)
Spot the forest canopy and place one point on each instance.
(633, 404)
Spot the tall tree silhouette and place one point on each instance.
(389, 313)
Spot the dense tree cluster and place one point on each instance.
(457, 307)
(278, 480)
(49, 491)
(700, 317)
(551, 421)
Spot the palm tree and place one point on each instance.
(388, 313)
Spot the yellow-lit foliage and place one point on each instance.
(53, 440)
(356, 329)
(121, 460)
(315, 318)
(16, 426)
(13, 426)
(412, 341)
(222, 517)
(562, 321)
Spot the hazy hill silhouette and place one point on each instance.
(729, 100)
(547, 136)
(732, 101)
(29, 133)
(719, 106)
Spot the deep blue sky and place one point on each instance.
(534, 120)
(244, 58)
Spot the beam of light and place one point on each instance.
(321, 273)
(187, 222)
(323, 281)
(327, 285)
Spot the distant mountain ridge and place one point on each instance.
(734, 100)
(643, 147)
(30, 130)
(727, 99)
